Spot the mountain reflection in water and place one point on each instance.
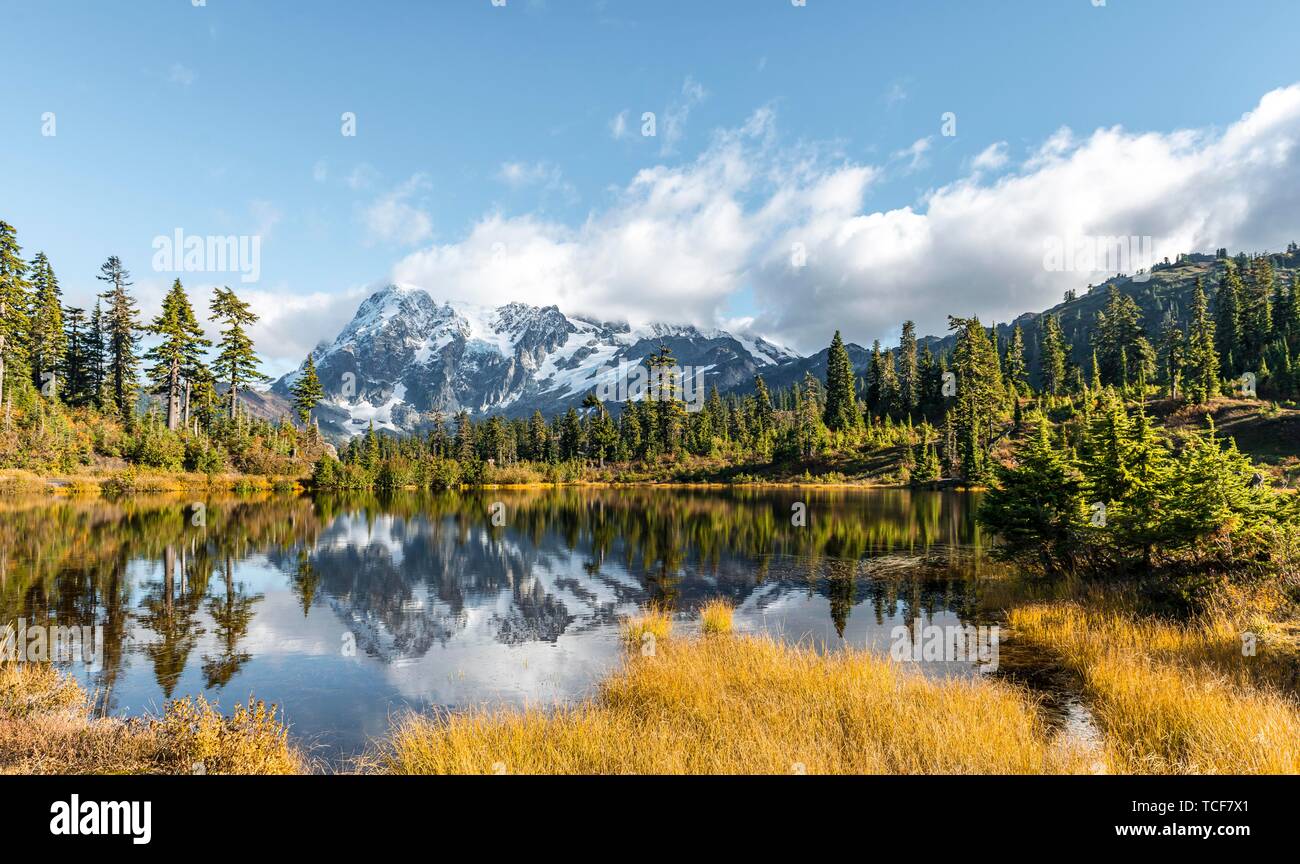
(347, 609)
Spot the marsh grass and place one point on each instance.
(744, 705)
(47, 727)
(654, 622)
(716, 617)
(1177, 698)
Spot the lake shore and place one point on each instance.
(1168, 698)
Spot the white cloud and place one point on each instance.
(397, 218)
(290, 325)
(914, 154)
(542, 175)
(673, 126)
(363, 176)
(618, 126)
(678, 243)
(991, 158)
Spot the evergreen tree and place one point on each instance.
(874, 374)
(1035, 506)
(96, 357)
(1202, 357)
(307, 391)
(537, 438)
(15, 301)
(237, 363)
(75, 373)
(981, 394)
(1257, 315)
(1017, 374)
(1173, 356)
(764, 416)
(1228, 330)
(48, 341)
(121, 328)
(841, 412)
(909, 371)
(179, 352)
(1052, 359)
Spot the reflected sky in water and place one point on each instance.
(348, 610)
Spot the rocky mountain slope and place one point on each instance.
(404, 359)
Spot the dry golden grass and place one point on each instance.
(1173, 698)
(648, 629)
(744, 705)
(46, 727)
(716, 617)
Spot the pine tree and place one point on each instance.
(15, 301)
(841, 412)
(538, 438)
(1035, 506)
(121, 328)
(764, 416)
(1228, 331)
(981, 394)
(909, 372)
(237, 363)
(1052, 359)
(96, 357)
(874, 372)
(1257, 315)
(307, 391)
(1173, 356)
(75, 372)
(1017, 374)
(179, 352)
(1202, 358)
(48, 341)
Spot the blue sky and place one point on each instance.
(476, 121)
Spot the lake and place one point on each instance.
(347, 610)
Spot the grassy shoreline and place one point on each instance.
(15, 482)
(1168, 698)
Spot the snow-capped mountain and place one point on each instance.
(404, 359)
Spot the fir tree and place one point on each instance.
(237, 363)
(909, 372)
(1202, 358)
(1052, 359)
(764, 416)
(48, 341)
(1035, 506)
(307, 391)
(15, 301)
(1017, 374)
(841, 411)
(1228, 330)
(121, 328)
(75, 373)
(179, 353)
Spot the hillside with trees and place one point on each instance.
(1174, 346)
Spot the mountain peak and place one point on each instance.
(404, 358)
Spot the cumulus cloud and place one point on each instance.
(678, 242)
(397, 218)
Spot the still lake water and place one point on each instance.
(347, 610)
